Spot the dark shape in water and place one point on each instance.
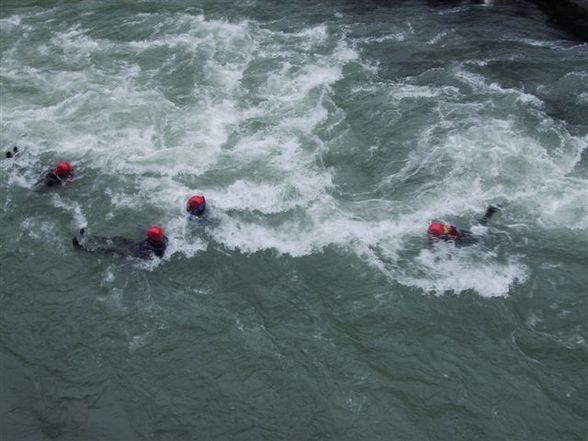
(13, 153)
(447, 232)
(570, 15)
(122, 246)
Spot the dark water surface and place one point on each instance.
(309, 305)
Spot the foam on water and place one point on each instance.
(480, 84)
(247, 138)
(447, 269)
(486, 160)
(72, 207)
(325, 143)
(323, 224)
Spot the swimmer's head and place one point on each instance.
(62, 169)
(445, 231)
(154, 233)
(196, 205)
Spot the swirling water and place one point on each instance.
(309, 305)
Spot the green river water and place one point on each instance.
(309, 305)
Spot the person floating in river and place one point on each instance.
(154, 244)
(60, 175)
(196, 205)
(447, 232)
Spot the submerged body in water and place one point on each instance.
(154, 245)
(196, 205)
(326, 138)
(448, 232)
(59, 176)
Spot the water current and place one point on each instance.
(309, 304)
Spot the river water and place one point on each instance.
(309, 305)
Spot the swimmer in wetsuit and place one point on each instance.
(154, 244)
(60, 175)
(447, 232)
(196, 205)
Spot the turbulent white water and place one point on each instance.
(325, 138)
(246, 114)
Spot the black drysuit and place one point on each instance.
(120, 246)
(52, 180)
(466, 237)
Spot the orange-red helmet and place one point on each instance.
(436, 229)
(440, 230)
(63, 168)
(154, 233)
(196, 204)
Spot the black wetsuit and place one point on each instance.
(52, 180)
(466, 237)
(147, 249)
(120, 246)
(197, 211)
(488, 214)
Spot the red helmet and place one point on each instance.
(154, 233)
(63, 168)
(446, 231)
(436, 229)
(195, 201)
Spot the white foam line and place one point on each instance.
(274, 193)
(479, 83)
(450, 270)
(73, 207)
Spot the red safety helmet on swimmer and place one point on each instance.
(62, 168)
(196, 201)
(154, 233)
